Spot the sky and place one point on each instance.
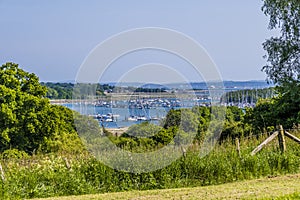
(53, 38)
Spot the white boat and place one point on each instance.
(137, 118)
(142, 118)
(106, 118)
(132, 118)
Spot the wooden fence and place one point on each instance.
(280, 134)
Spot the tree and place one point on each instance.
(263, 117)
(184, 119)
(233, 124)
(283, 52)
(12, 77)
(144, 129)
(28, 121)
(283, 58)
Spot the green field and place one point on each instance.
(281, 187)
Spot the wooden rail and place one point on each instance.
(269, 139)
(281, 139)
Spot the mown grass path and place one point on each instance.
(282, 187)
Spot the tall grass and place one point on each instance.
(49, 175)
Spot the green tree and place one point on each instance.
(184, 119)
(28, 121)
(12, 77)
(283, 52)
(283, 59)
(204, 118)
(233, 125)
(144, 129)
(165, 136)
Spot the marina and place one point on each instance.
(122, 113)
(119, 109)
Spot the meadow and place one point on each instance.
(59, 174)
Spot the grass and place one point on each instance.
(44, 176)
(281, 187)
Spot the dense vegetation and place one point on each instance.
(28, 121)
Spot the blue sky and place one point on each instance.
(53, 37)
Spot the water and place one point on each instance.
(123, 113)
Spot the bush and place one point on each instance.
(14, 154)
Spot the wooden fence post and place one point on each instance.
(281, 139)
(2, 173)
(183, 151)
(238, 149)
(68, 166)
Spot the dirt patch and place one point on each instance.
(117, 131)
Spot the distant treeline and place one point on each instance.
(248, 95)
(67, 91)
(59, 90)
(70, 90)
(150, 90)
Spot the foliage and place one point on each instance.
(14, 154)
(144, 129)
(288, 105)
(59, 90)
(283, 63)
(71, 90)
(234, 123)
(263, 116)
(144, 137)
(283, 52)
(283, 110)
(28, 121)
(184, 119)
(150, 90)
